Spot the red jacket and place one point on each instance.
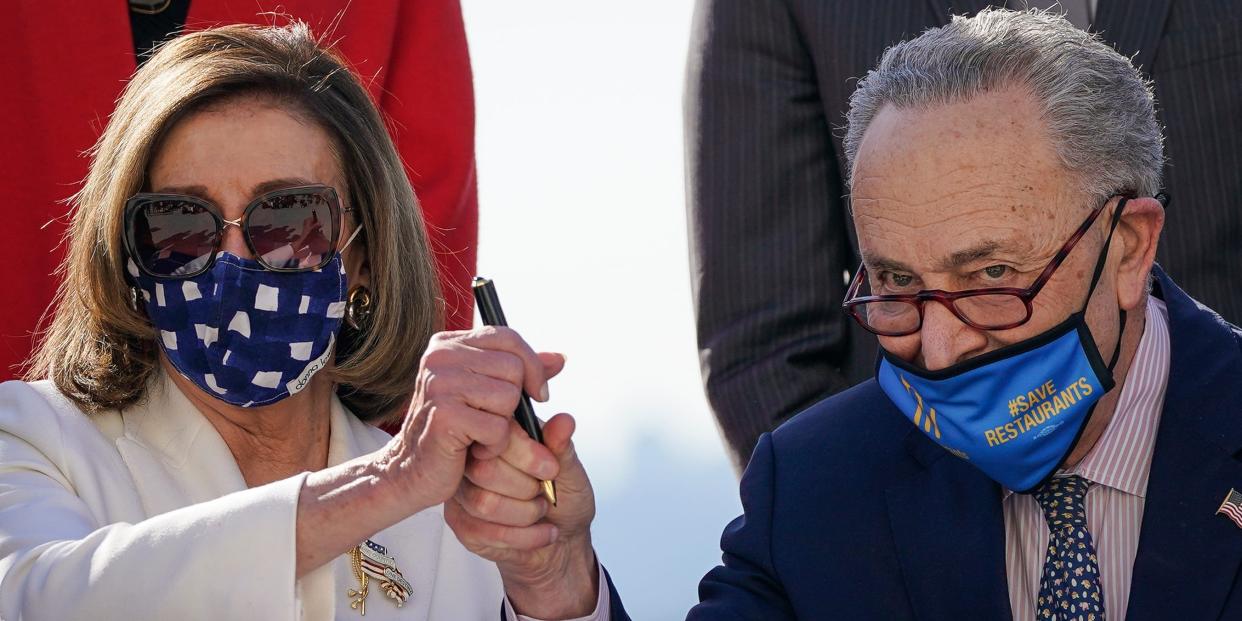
(64, 65)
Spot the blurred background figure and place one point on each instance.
(68, 64)
(772, 244)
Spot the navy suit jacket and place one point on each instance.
(851, 513)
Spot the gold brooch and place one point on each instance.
(371, 560)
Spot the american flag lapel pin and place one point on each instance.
(369, 561)
(1232, 507)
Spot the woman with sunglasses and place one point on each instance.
(247, 285)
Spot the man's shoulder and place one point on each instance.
(819, 487)
(857, 434)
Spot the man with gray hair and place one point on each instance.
(767, 92)
(1052, 427)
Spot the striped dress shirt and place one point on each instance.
(1117, 468)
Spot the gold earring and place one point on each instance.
(358, 309)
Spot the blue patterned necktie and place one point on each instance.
(1070, 586)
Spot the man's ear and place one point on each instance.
(1138, 234)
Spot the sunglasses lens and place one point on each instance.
(292, 231)
(173, 237)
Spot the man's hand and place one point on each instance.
(544, 553)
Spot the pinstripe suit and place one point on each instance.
(768, 87)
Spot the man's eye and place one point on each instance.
(996, 272)
(901, 280)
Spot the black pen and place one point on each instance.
(489, 310)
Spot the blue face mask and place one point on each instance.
(243, 334)
(1014, 413)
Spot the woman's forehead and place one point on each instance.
(232, 147)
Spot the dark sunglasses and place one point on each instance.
(178, 236)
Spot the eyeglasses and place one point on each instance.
(993, 308)
(178, 236)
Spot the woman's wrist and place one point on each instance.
(342, 506)
(395, 483)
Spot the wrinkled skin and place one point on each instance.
(970, 195)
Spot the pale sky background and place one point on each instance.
(582, 226)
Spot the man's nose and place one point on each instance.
(946, 340)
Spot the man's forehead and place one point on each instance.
(952, 183)
(932, 229)
(996, 138)
(949, 248)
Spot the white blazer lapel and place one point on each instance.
(176, 457)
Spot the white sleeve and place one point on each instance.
(602, 612)
(229, 558)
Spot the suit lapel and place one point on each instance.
(176, 457)
(950, 536)
(1188, 556)
(1133, 27)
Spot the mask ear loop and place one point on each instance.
(1095, 279)
(351, 239)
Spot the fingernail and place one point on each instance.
(543, 393)
(547, 471)
(555, 533)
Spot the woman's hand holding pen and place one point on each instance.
(460, 445)
(468, 386)
(544, 552)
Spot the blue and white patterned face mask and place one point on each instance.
(243, 334)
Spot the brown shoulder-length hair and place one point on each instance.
(100, 352)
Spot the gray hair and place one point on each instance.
(1098, 108)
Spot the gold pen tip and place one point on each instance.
(549, 490)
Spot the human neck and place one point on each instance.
(272, 442)
(1136, 323)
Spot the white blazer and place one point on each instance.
(143, 514)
